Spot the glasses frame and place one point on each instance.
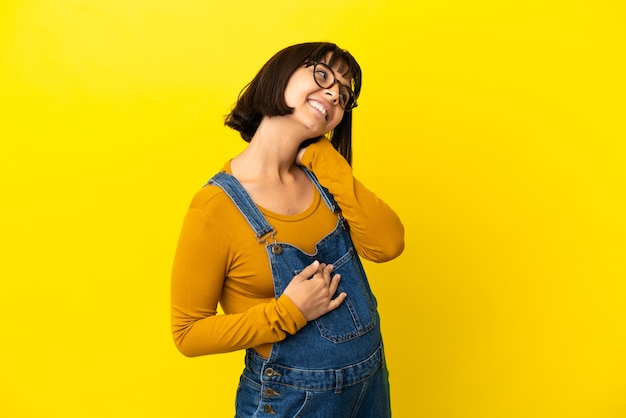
(335, 81)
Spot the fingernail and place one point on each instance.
(316, 263)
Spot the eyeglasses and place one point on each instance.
(325, 77)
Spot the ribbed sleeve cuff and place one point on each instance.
(286, 306)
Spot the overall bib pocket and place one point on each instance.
(357, 314)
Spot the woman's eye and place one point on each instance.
(321, 74)
(345, 94)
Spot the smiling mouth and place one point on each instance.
(320, 108)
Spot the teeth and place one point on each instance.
(319, 107)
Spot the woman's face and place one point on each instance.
(315, 107)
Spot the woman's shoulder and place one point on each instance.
(211, 199)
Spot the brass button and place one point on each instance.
(269, 372)
(277, 249)
(271, 393)
(268, 409)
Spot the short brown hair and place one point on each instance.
(265, 94)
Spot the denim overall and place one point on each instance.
(334, 367)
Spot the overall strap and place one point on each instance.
(244, 203)
(326, 195)
(251, 212)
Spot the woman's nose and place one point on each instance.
(333, 91)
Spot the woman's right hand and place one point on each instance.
(312, 290)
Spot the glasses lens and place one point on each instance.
(346, 98)
(323, 75)
(325, 78)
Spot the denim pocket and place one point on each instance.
(357, 314)
(248, 396)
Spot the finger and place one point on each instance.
(335, 303)
(334, 284)
(309, 270)
(326, 274)
(319, 274)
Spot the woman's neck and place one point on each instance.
(271, 152)
(268, 171)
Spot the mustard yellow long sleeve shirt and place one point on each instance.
(218, 259)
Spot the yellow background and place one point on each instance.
(495, 128)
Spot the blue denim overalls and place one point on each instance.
(334, 367)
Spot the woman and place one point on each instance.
(275, 238)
